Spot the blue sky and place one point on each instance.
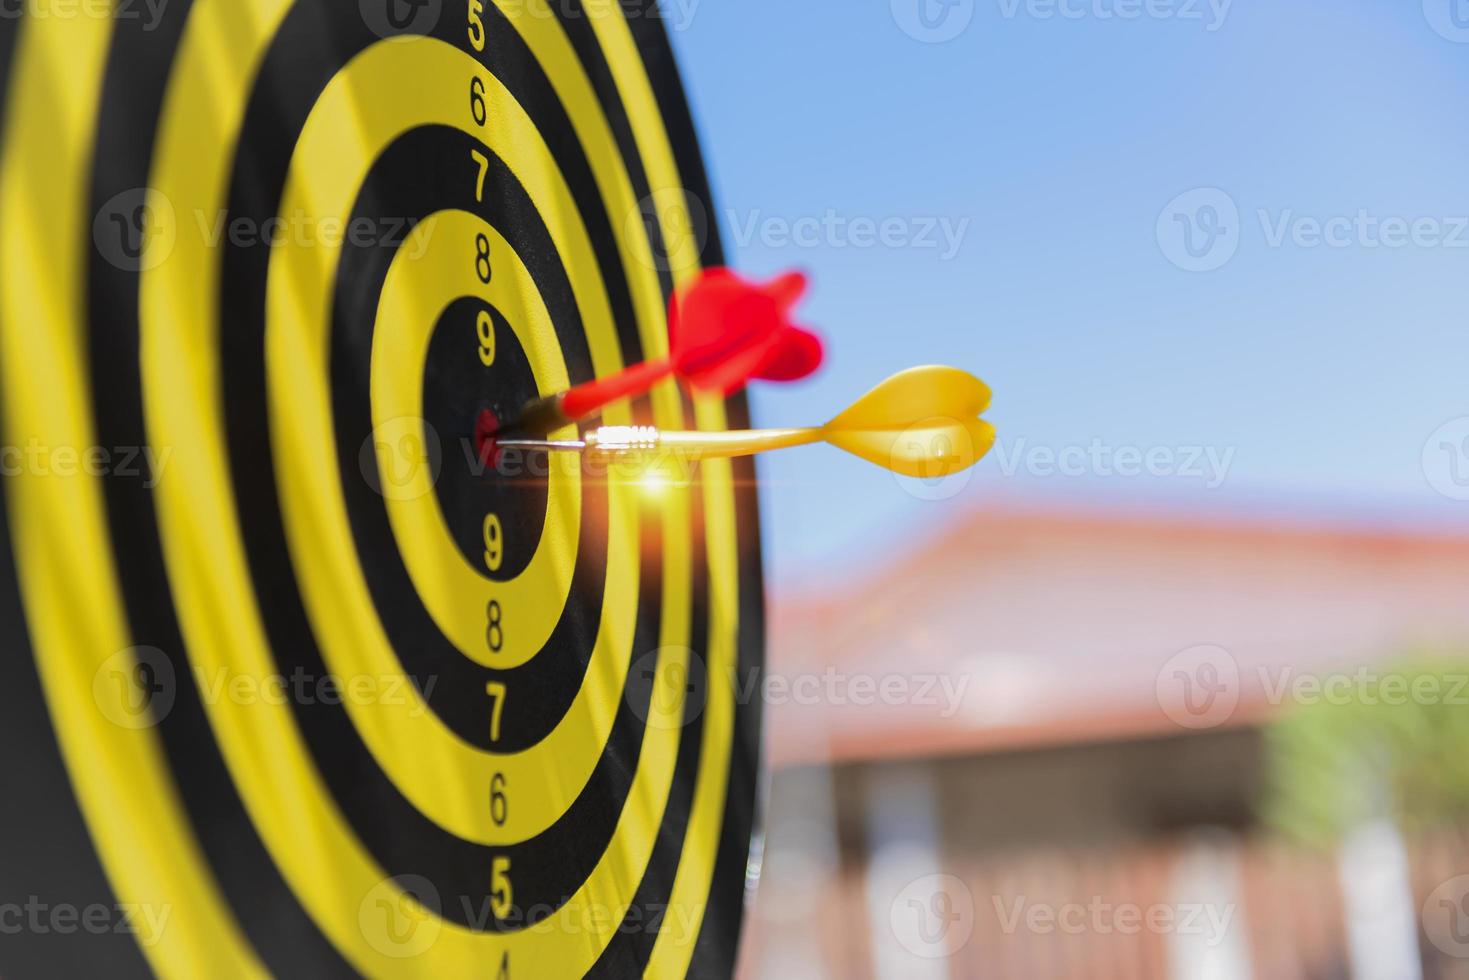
(1059, 153)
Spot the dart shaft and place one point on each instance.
(728, 445)
(540, 418)
(593, 396)
(630, 441)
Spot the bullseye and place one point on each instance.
(456, 390)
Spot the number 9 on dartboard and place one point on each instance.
(307, 682)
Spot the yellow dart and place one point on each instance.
(923, 422)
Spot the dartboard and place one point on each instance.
(299, 681)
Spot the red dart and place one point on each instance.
(723, 331)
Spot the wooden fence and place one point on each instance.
(1287, 913)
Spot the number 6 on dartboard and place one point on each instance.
(477, 107)
(499, 802)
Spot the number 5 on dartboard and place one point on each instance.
(477, 24)
(501, 897)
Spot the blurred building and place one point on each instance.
(1032, 747)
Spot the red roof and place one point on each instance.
(1057, 627)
